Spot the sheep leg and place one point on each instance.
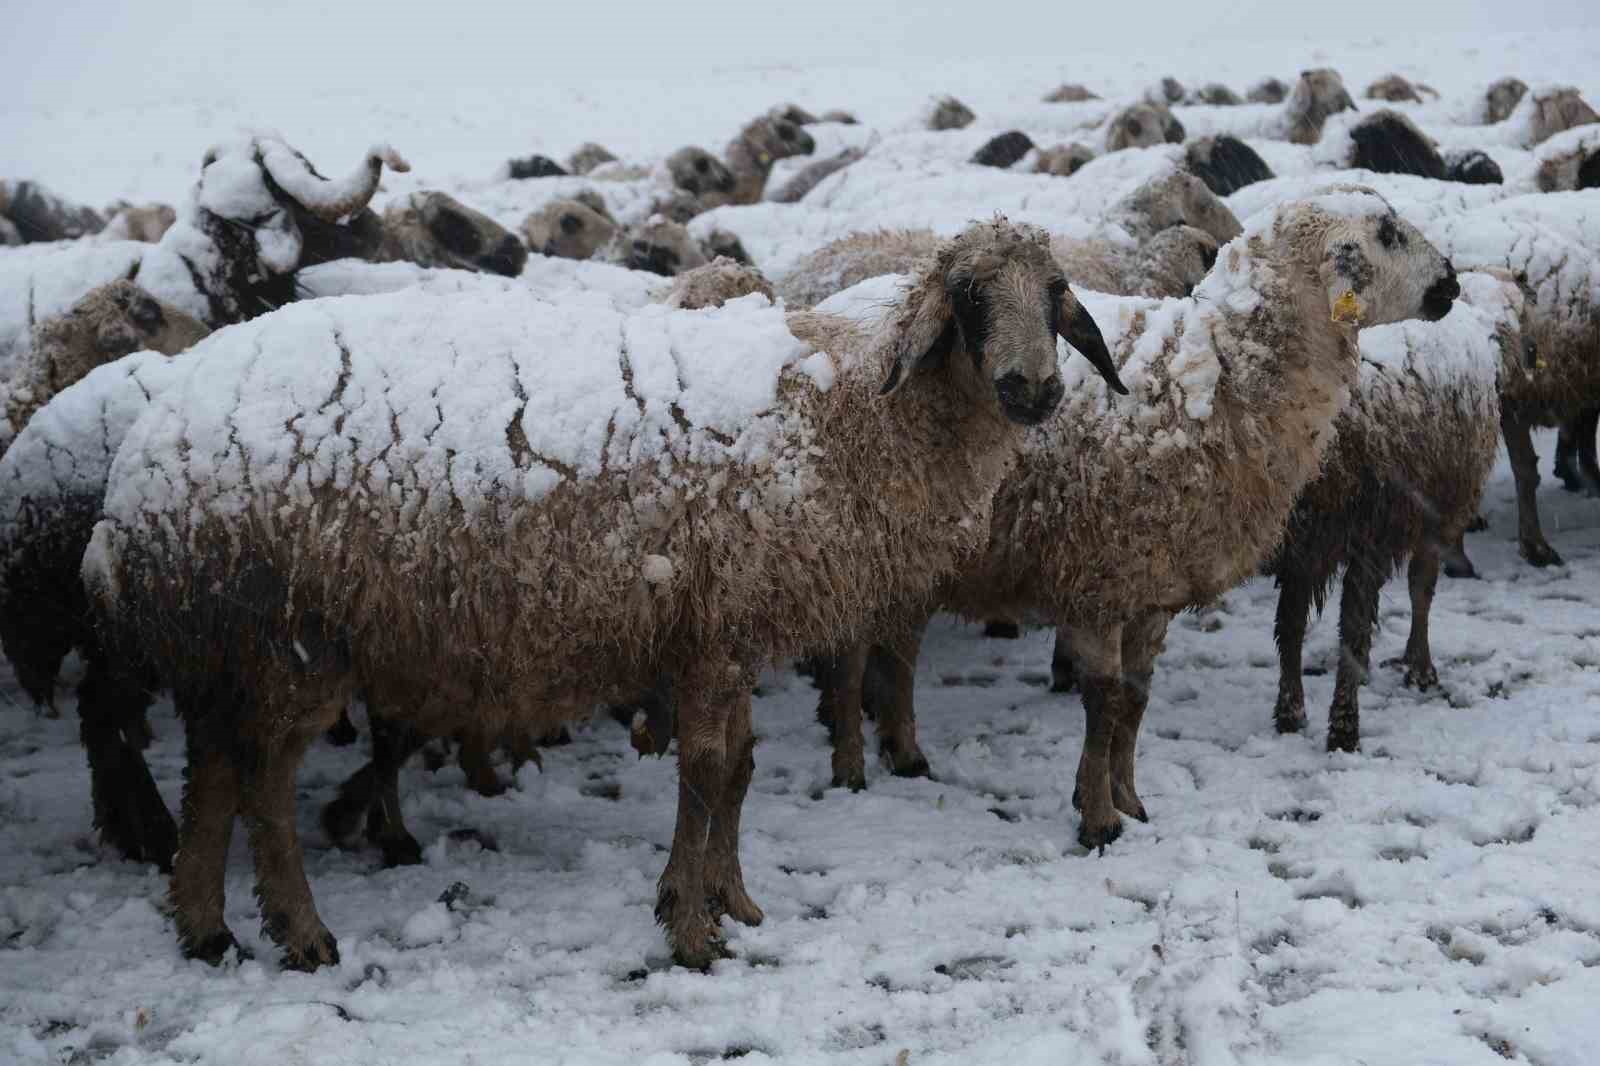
(840, 702)
(1422, 577)
(392, 745)
(1587, 426)
(1289, 631)
(288, 912)
(1456, 561)
(1358, 610)
(344, 732)
(211, 798)
(477, 762)
(1099, 660)
(897, 708)
(1525, 470)
(128, 808)
(725, 876)
(682, 907)
(1063, 671)
(1142, 641)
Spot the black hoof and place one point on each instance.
(401, 851)
(1097, 837)
(1002, 630)
(343, 732)
(321, 951)
(214, 949)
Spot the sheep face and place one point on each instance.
(132, 320)
(1142, 126)
(698, 172)
(1184, 254)
(432, 229)
(1377, 268)
(660, 246)
(568, 229)
(1502, 98)
(587, 156)
(1181, 199)
(777, 138)
(1318, 94)
(994, 300)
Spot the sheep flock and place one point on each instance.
(882, 442)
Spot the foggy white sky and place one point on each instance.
(73, 50)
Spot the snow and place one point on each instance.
(1428, 900)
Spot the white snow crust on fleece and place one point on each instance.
(418, 388)
(1460, 352)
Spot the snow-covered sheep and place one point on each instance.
(715, 283)
(1402, 479)
(587, 156)
(721, 489)
(52, 480)
(1395, 88)
(1166, 92)
(1225, 163)
(569, 228)
(1214, 94)
(138, 222)
(1317, 94)
(1502, 98)
(812, 175)
(948, 113)
(1267, 91)
(750, 156)
(1569, 161)
(657, 245)
(1119, 515)
(698, 173)
(1543, 113)
(1064, 160)
(1140, 125)
(435, 230)
(110, 322)
(1069, 93)
(38, 215)
(1003, 149)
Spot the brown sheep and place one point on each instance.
(568, 229)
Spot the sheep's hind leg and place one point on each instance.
(477, 762)
(1142, 641)
(1588, 425)
(1063, 671)
(895, 700)
(1099, 660)
(1422, 577)
(392, 745)
(681, 904)
(128, 808)
(1358, 610)
(725, 876)
(211, 798)
(1525, 471)
(288, 912)
(840, 706)
(1289, 631)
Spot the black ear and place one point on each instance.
(1079, 329)
(930, 358)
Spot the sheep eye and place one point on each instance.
(1389, 234)
(786, 133)
(571, 223)
(1135, 127)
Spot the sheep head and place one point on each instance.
(1502, 98)
(1318, 94)
(1143, 125)
(1373, 265)
(330, 201)
(996, 295)
(568, 229)
(770, 138)
(433, 229)
(698, 172)
(1179, 199)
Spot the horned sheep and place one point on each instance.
(1120, 515)
(507, 441)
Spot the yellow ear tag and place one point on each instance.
(1347, 308)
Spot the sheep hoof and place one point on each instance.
(342, 733)
(1289, 717)
(915, 765)
(1096, 837)
(1421, 676)
(213, 950)
(1457, 565)
(1130, 804)
(320, 950)
(1344, 740)
(855, 780)
(401, 851)
(736, 903)
(148, 835)
(1540, 553)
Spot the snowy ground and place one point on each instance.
(1430, 900)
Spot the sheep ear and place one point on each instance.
(1079, 329)
(1347, 272)
(925, 342)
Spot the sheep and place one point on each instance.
(1576, 463)
(1395, 89)
(1403, 477)
(1317, 94)
(1174, 199)
(1166, 92)
(587, 156)
(808, 178)
(886, 474)
(1118, 516)
(1543, 113)
(1267, 91)
(948, 113)
(1502, 98)
(534, 166)
(715, 283)
(1472, 166)
(1064, 160)
(1141, 125)
(1225, 163)
(1003, 149)
(657, 245)
(702, 175)
(1569, 161)
(108, 323)
(435, 230)
(39, 215)
(751, 154)
(138, 222)
(51, 483)
(1388, 142)
(1070, 93)
(568, 228)
(1214, 94)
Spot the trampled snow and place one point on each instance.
(1430, 900)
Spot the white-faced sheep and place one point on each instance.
(1402, 479)
(1120, 515)
(569, 229)
(676, 483)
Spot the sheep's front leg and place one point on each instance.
(842, 674)
(288, 912)
(725, 876)
(211, 799)
(682, 907)
(1457, 563)
(895, 701)
(1063, 671)
(392, 745)
(477, 762)
(128, 808)
(1289, 631)
(1142, 641)
(1584, 428)
(1358, 610)
(1098, 655)
(1422, 577)
(1525, 471)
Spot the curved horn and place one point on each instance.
(329, 200)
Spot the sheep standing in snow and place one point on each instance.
(1214, 94)
(574, 529)
(1570, 161)
(1064, 160)
(1395, 89)
(1545, 113)
(1267, 91)
(587, 156)
(1403, 477)
(1225, 163)
(948, 113)
(1120, 515)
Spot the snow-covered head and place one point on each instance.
(1320, 92)
(1373, 265)
(995, 295)
(698, 172)
(1142, 125)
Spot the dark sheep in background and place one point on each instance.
(1472, 167)
(1225, 163)
(535, 166)
(1003, 150)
